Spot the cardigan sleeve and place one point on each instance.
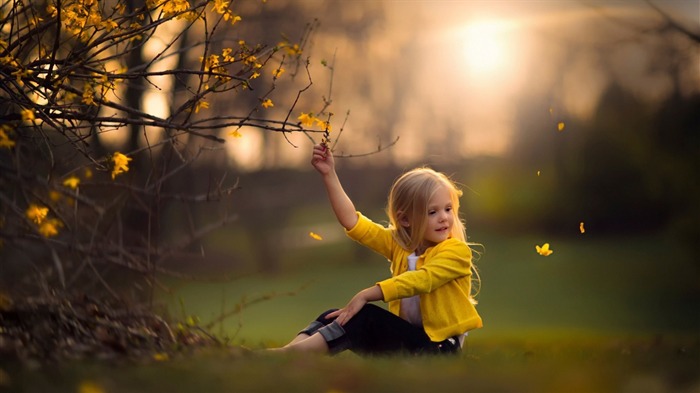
(372, 235)
(445, 262)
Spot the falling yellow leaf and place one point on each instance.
(544, 250)
(315, 236)
(538, 173)
(581, 228)
(560, 126)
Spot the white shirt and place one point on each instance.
(410, 306)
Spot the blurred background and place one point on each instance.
(573, 123)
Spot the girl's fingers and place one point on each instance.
(341, 316)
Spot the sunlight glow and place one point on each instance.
(245, 152)
(486, 48)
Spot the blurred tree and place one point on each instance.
(606, 167)
(677, 131)
(77, 214)
(632, 165)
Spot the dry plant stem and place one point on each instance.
(244, 303)
(380, 148)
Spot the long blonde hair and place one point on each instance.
(408, 201)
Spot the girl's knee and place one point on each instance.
(318, 323)
(322, 318)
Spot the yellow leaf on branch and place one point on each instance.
(121, 164)
(306, 119)
(5, 140)
(49, 227)
(28, 115)
(71, 182)
(37, 213)
(276, 73)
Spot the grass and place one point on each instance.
(598, 315)
(593, 365)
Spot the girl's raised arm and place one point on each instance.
(342, 206)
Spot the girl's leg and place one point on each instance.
(372, 331)
(314, 343)
(299, 337)
(376, 331)
(312, 328)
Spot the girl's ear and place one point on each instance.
(403, 220)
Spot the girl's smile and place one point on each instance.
(440, 217)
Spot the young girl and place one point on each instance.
(429, 294)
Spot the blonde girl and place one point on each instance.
(429, 295)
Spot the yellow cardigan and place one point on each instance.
(442, 279)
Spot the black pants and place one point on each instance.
(376, 331)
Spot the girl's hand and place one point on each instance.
(356, 303)
(322, 159)
(344, 314)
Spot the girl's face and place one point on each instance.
(440, 217)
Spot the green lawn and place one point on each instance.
(588, 286)
(598, 315)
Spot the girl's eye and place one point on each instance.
(431, 212)
(449, 209)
